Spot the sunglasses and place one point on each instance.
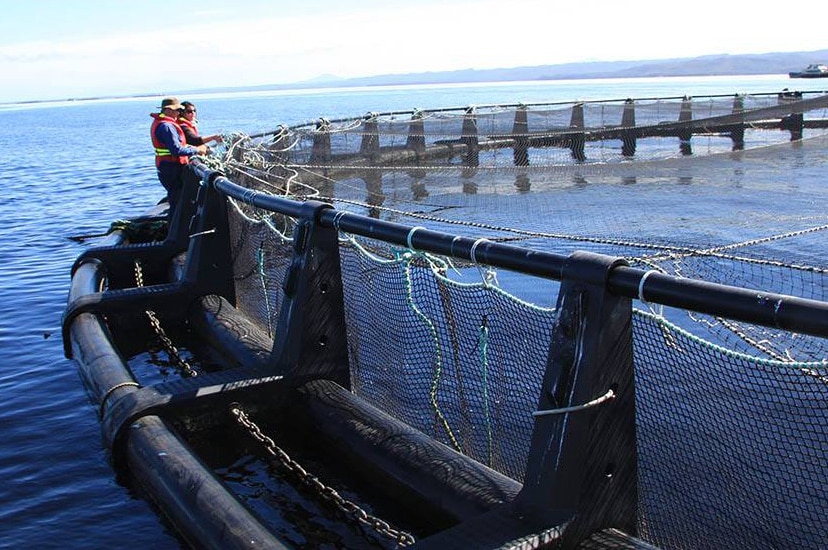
(189, 110)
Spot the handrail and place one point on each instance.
(768, 309)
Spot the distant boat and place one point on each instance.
(815, 70)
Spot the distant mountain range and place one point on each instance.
(708, 65)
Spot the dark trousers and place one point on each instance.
(169, 174)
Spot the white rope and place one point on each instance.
(490, 275)
(337, 218)
(641, 284)
(205, 232)
(411, 234)
(110, 391)
(474, 247)
(575, 408)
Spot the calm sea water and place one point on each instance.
(70, 169)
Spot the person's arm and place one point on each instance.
(169, 136)
(213, 137)
(192, 137)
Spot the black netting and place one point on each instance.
(731, 448)
(731, 416)
(261, 252)
(461, 362)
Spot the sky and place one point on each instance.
(58, 49)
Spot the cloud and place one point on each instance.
(216, 47)
(384, 39)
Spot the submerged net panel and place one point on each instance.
(730, 444)
(731, 416)
(731, 447)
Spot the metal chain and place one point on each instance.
(155, 323)
(350, 509)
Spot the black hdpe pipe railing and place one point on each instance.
(780, 311)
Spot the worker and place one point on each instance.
(171, 150)
(188, 123)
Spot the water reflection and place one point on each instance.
(522, 183)
(469, 186)
(374, 197)
(418, 190)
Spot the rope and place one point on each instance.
(411, 235)
(577, 408)
(110, 391)
(641, 284)
(483, 346)
(260, 260)
(438, 354)
(201, 233)
(490, 275)
(674, 252)
(357, 123)
(81, 238)
(146, 229)
(715, 252)
(337, 219)
(663, 322)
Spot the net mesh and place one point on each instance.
(730, 416)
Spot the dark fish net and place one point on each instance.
(731, 417)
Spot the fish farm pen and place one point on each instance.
(567, 325)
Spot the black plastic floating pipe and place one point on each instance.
(532, 262)
(292, 208)
(781, 311)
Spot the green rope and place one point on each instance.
(438, 358)
(667, 325)
(497, 290)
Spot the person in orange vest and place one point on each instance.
(188, 123)
(171, 150)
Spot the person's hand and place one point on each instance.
(201, 149)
